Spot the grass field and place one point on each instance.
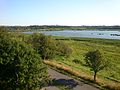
(110, 50)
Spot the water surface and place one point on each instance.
(83, 33)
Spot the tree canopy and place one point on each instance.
(95, 61)
(20, 65)
(48, 47)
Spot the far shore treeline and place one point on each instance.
(60, 27)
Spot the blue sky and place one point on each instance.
(59, 12)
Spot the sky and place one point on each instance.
(59, 12)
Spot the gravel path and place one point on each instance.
(67, 81)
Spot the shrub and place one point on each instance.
(20, 66)
(63, 49)
(45, 45)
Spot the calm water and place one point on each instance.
(86, 34)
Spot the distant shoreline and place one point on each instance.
(57, 28)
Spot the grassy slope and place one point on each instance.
(109, 48)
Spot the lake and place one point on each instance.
(83, 33)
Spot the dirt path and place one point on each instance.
(67, 81)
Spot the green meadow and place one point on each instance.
(110, 50)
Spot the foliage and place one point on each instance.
(45, 45)
(63, 49)
(4, 32)
(48, 47)
(20, 65)
(95, 61)
(76, 61)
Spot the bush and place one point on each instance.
(48, 47)
(20, 66)
(63, 49)
(45, 45)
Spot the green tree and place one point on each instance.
(95, 61)
(48, 47)
(45, 45)
(20, 66)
